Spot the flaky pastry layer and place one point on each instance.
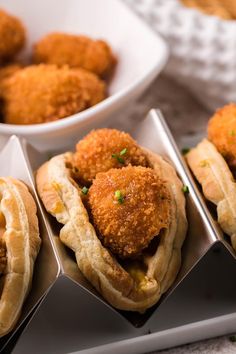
(133, 290)
(21, 241)
(218, 184)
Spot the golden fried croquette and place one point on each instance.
(12, 36)
(44, 93)
(76, 51)
(222, 133)
(129, 207)
(8, 70)
(104, 149)
(94, 86)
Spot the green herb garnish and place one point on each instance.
(185, 150)
(118, 156)
(232, 338)
(84, 190)
(119, 197)
(232, 133)
(185, 189)
(123, 152)
(119, 159)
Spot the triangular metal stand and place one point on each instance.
(72, 316)
(69, 320)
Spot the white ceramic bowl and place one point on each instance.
(141, 56)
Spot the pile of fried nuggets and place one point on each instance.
(67, 74)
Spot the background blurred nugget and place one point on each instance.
(8, 70)
(75, 51)
(225, 9)
(44, 93)
(12, 36)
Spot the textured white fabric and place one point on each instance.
(203, 48)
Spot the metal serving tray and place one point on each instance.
(72, 317)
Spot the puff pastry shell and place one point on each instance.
(61, 198)
(217, 182)
(20, 243)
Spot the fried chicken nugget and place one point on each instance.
(76, 51)
(91, 83)
(8, 70)
(12, 36)
(129, 207)
(222, 133)
(103, 149)
(45, 93)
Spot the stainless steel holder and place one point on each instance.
(14, 162)
(71, 315)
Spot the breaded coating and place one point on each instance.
(75, 51)
(95, 87)
(103, 149)
(222, 133)
(129, 207)
(12, 36)
(45, 93)
(8, 70)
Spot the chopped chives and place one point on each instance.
(123, 152)
(119, 196)
(84, 190)
(118, 156)
(185, 189)
(185, 151)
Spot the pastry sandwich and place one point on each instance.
(213, 162)
(19, 246)
(122, 208)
